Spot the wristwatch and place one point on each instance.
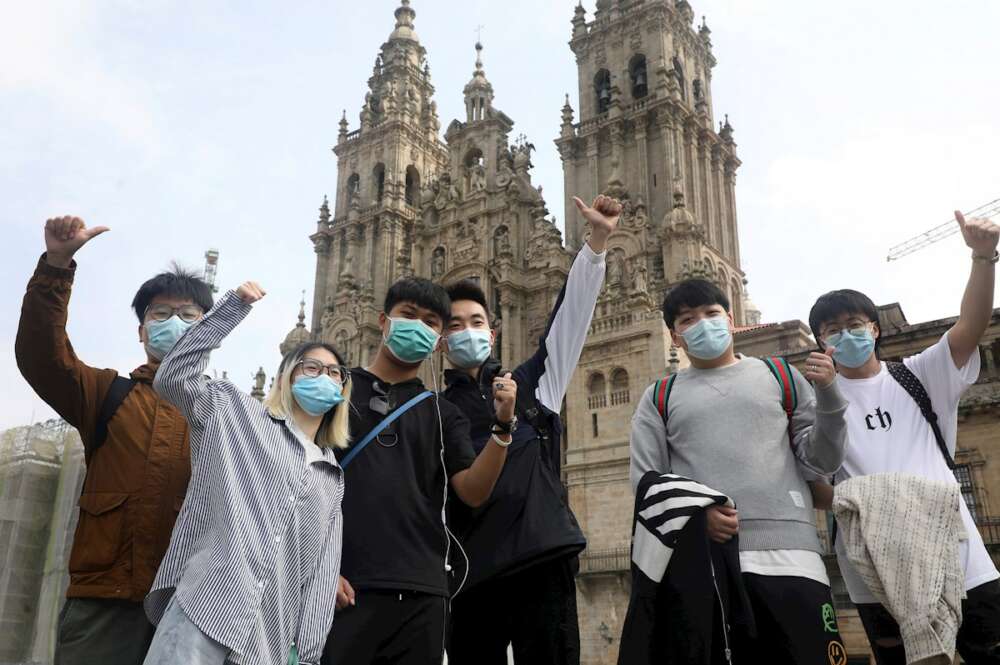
(504, 428)
(986, 259)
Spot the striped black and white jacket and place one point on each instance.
(664, 504)
(681, 579)
(255, 554)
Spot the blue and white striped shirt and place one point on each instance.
(255, 555)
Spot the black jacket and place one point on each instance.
(681, 615)
(527, 519)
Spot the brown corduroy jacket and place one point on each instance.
(136, 479)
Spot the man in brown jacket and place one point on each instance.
(136, 448)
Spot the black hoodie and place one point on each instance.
(527, 519)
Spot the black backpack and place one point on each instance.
(119, 390)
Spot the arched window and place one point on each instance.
(474, 157)
(412, 185)
(679, 72)
(596, 391)
(619, 387)
(378, 180)
(637, 74)
(353, 186)
(602, 89)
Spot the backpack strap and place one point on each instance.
(661, 394)
(388, 420)
(911, 384)
(782, 372)
(119, 390)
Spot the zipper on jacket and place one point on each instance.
(722, 611)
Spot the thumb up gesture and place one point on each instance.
(64, 236)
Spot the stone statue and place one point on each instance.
(478, 178)
(442, 186)
(437, 263)
(615, 269)
(504, 175)
(326, 323)
(639, 282)
(501, 241)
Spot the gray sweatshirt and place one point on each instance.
(728, 430)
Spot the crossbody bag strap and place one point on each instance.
(388, 420)
(911, 384)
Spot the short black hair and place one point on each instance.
(421, 292)
(691, 293)
(835, 304)
(174, 283)
(467, 289)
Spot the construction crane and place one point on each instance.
(211, 268)
(988, 211)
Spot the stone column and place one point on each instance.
(321, 245)
(642, 188)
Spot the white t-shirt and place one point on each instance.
(887, 433)
(789, 563)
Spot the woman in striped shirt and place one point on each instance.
(251, 572)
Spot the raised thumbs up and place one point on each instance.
(64, 236)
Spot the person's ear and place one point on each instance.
(732, 322)
(678, 339)
(382, 318)
(876, 332)
(142, 334)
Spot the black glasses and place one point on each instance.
(161, 312)
(314, 368)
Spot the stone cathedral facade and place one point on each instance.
(411, 201)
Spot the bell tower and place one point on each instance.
(647, 135)
(365, 243)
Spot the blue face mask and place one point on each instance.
(317, 394)
(162, 335)
(411, 340)
(469, 348)
(709, 338)
(852, 350)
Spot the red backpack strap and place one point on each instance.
(782, 372)
(661, 394)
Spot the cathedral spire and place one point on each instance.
(404, 23)
(478, 92)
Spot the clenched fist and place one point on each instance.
(64, 236)
(504, 396)
(250, 292)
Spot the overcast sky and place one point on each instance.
(187, 125)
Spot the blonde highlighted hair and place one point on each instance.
(280, 403)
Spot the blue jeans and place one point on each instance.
(178, 640)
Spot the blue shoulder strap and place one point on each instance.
(388, 420)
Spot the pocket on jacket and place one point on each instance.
(99, 531)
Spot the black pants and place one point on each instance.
(97, 630)
(795, 621)
(978, 637)
(388, 628)
(533, 610)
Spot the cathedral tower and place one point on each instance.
(408, 203)
(647, 135)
